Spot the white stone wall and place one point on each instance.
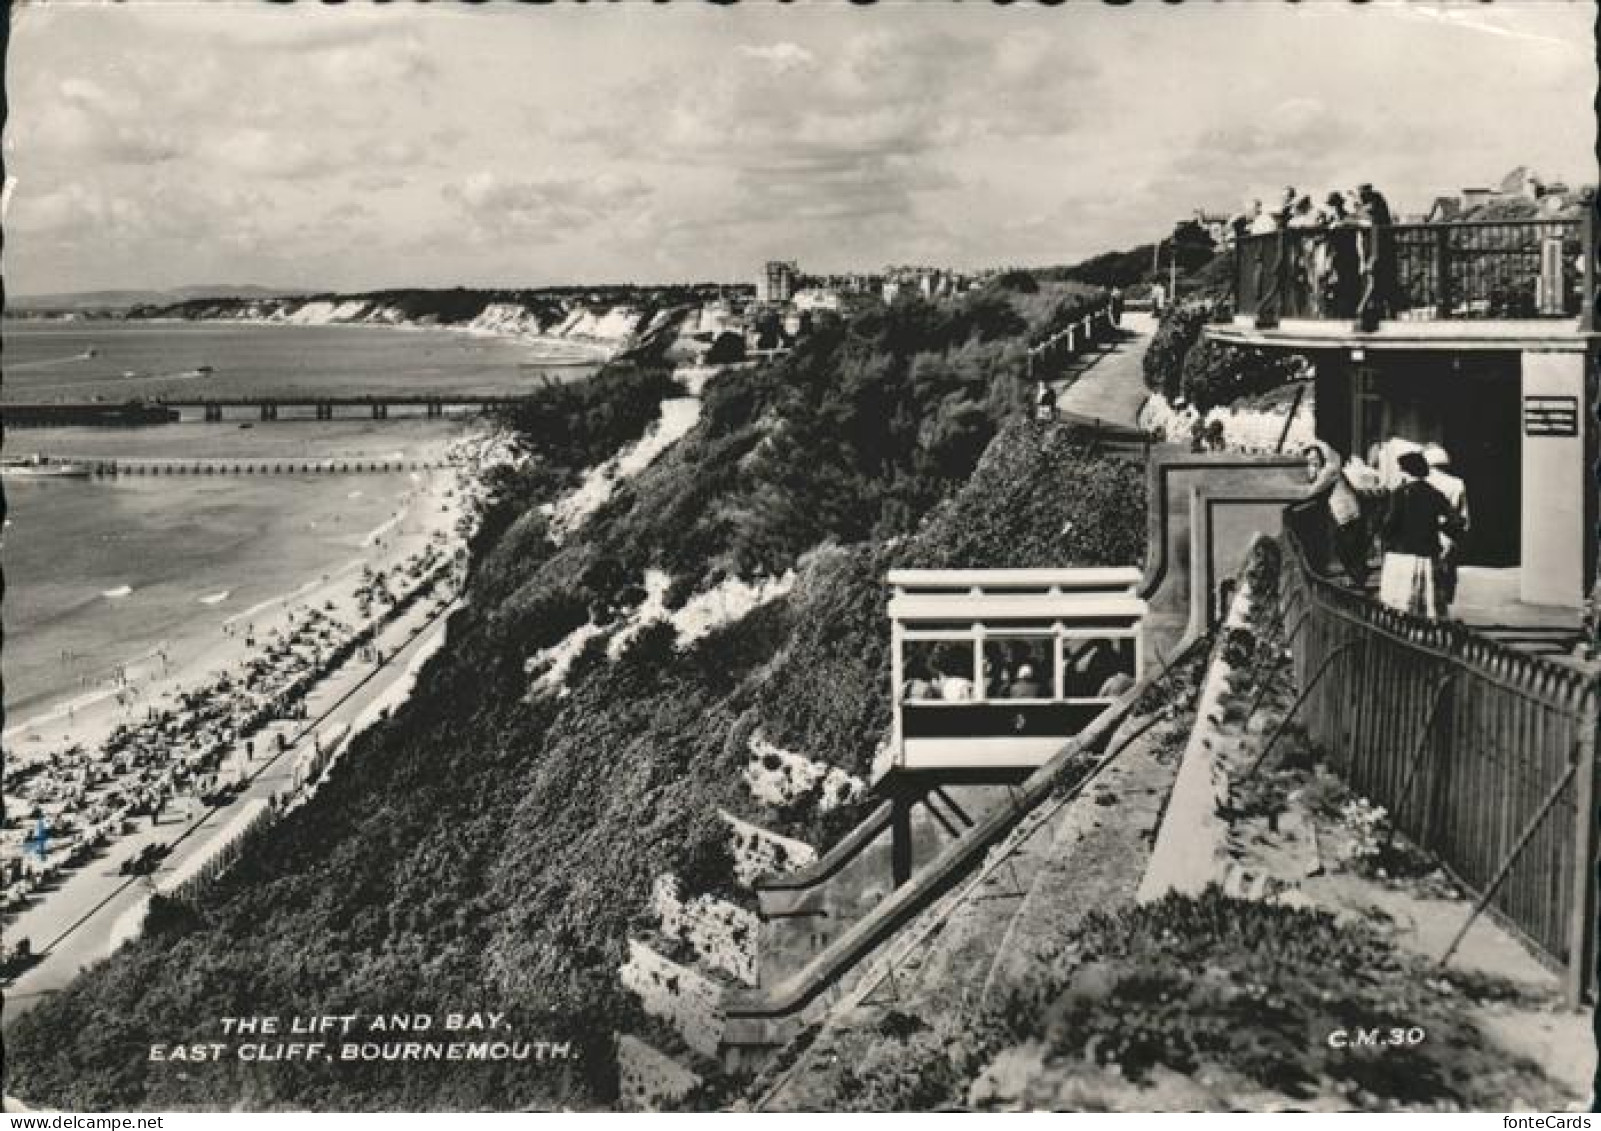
(1191, 849)
(688, 1001)
(646, 1078)
(758, 852)
(1244, 430)
(723, 934)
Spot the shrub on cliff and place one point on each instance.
(1255, 989)
(1215, 374)
(580, 423)
(1041, 497)
(1164, 358)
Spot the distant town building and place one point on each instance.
(1443, 210)
(930, 282)
(778, 281)
(716, 317)
(816, 298)
(1521, 184)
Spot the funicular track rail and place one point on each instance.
(1001, 837)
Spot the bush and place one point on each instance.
(1023, 282)
(1039, 498)
(1067, 311)
(1215, 374)
(1164, 358)
(729, 347)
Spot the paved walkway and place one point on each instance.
(1108, 383)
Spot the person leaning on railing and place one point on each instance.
(1378, 255)
(1326, 472)
(1339, 264)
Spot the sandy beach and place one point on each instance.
(430, 507)
(174, 731)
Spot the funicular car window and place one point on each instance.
(1097, 667)
(1020, 667)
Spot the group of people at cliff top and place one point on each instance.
(1425, 519)
(1361, 207)
(1329, 273)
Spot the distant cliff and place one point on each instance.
(609, 319)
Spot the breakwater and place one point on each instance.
(274, 465)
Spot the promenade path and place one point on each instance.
(75, 922)
(1107, 382)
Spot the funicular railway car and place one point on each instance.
(994, 670)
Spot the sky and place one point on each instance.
(159, 143)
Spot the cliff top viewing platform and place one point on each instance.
(1502, 284)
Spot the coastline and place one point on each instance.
(97, 908)
(60, 763)
(598, 351)
(413, 527)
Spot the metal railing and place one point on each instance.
(1491, 270)
(1095, 324)
(1484, 756)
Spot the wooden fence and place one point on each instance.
(1483, 755)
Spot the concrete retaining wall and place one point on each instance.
(1192, 849)
(688, 1001)
(758, 852)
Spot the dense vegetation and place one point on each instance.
(1193, 1002)
(491, 849)
(1177, 334)
(1181, 364)
(1200, 269)
(1240, 994)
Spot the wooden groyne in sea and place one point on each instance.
(280, 465)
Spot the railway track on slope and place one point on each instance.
(928, 923)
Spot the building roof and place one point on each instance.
(1039, 595)
(1074, 579)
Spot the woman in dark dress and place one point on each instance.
(1417, 516)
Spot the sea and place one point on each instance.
(101, 572)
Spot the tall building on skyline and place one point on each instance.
(777, 283)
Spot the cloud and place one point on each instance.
(72, 211)
(862, 142)
(417, 144)
(781, 57)
(498, 207)
(80, 119)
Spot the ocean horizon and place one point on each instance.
(101, 572)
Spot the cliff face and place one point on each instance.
(609, 319)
